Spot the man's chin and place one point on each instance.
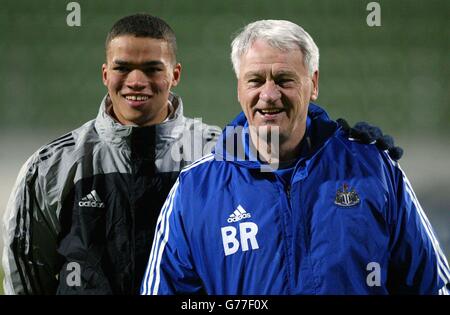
(267, 127)
(131, 117)
(266, 132)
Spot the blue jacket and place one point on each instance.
(347, 222)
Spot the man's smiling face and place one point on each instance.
(274, 89)
(139, 74)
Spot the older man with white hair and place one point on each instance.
(332, 216)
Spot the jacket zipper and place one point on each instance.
(288, 230)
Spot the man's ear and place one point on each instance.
(176, 74)
(237, 88)
(105, 74)
(315, 87)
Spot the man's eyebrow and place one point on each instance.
(144, 64)
(253, 74)
(280, 73)
(286, 73)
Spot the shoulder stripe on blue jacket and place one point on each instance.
(162, 227)
(444, 291)
(150, 284)
(206, 158)
(442, 264)
(443, 268)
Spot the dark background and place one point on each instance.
(395, 75)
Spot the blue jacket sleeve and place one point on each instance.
(418, 265)
(170, 269)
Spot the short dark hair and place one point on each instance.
(143, 25)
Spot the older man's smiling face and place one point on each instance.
(274, 89)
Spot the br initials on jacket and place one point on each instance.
(247, 233)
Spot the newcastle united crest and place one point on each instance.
(346, 196)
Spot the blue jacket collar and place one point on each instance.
(319, 129)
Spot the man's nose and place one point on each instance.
(270, 92)
(136, 80)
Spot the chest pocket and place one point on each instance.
(347, 221)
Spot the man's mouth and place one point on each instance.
(137, 97)
(136, 100)
(270, 111)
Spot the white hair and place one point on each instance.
(280, 34)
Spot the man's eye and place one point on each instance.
(255, 82)
(284, 82)
(152, 70)
(121, 69)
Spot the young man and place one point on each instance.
(82, 214)
(335, 216)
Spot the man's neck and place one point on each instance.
(278, 150)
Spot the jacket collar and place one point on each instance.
(110, 130)
(233, 144)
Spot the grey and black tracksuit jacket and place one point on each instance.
(88, 202)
